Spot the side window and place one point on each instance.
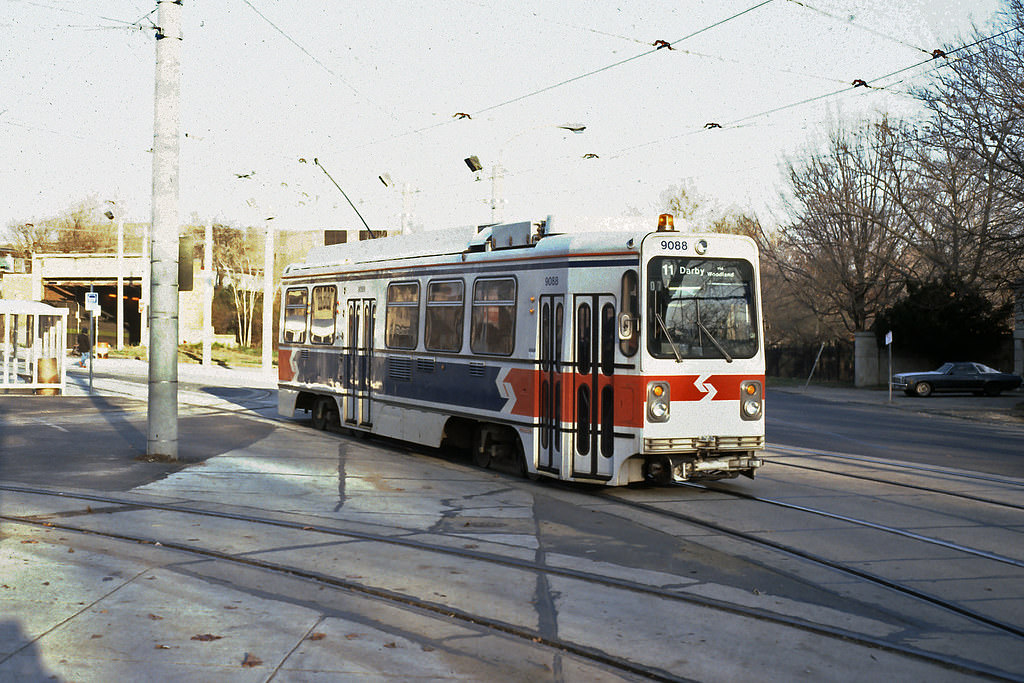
(444, 315)
(295, 315)
(402, 319)
(321, 328)
(493, 321)
(631, 306)
(608, 337)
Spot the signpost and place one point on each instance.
(888, 343)
(92, 305)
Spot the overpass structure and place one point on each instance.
(122, 282)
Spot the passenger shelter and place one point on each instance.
(32, 346)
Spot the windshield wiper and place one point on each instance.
(675, 350)
(728, 358)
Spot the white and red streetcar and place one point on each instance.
(611, 356)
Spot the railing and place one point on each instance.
(32, 348)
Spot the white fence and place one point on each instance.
(33, 352)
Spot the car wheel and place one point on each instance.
(992, 389)
(923, 389)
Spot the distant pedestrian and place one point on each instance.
(84, 347)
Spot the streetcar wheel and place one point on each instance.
(321, 412)
(923, 389)
(481, 448)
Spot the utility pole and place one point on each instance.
(268, 300)
(497, 202)
(208, 294)
(162, 442)
(120, 282)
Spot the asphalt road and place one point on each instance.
(95, 441)
(910, 429)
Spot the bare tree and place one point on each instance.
(970, 161)
(680, 201)
(956, 217)
(82, 228)
(238, 259)
(838, 252)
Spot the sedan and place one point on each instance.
(974, 377)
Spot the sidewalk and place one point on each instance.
(128, 376)
(1005, 408)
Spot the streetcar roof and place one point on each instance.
(575, 235)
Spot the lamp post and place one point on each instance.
(109, 213)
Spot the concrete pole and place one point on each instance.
(120, 283)
(405, 208)
(268, 301)
(163, 316)
(144, 294)
(496, 199)
(208, 294)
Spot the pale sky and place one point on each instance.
(372, 89)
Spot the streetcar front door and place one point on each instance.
(552, 316)
(359, 361)
(595, 335)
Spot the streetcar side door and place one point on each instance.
(552, 317)
(359, 361)
(594, 324)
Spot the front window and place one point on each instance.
(700, 308)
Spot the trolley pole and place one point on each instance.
(162, 440)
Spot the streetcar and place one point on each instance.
(607, 356)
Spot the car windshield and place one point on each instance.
(700, 308)
(946, 367)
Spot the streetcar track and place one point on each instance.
(905, 485)
(865, 523)
(831, 564)
(394, 597)
(900, 465)
(966, 666)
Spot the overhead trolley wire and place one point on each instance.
(622, 61)
(741, 122)
(554, 86)
(862, 27)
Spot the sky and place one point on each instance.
(374, 90)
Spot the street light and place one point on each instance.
(109, 213)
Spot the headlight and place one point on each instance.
(658, 402)
(751, 405)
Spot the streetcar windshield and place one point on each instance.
(700, 308)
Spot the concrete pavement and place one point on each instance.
(82, 610)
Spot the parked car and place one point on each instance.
(974, 377)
